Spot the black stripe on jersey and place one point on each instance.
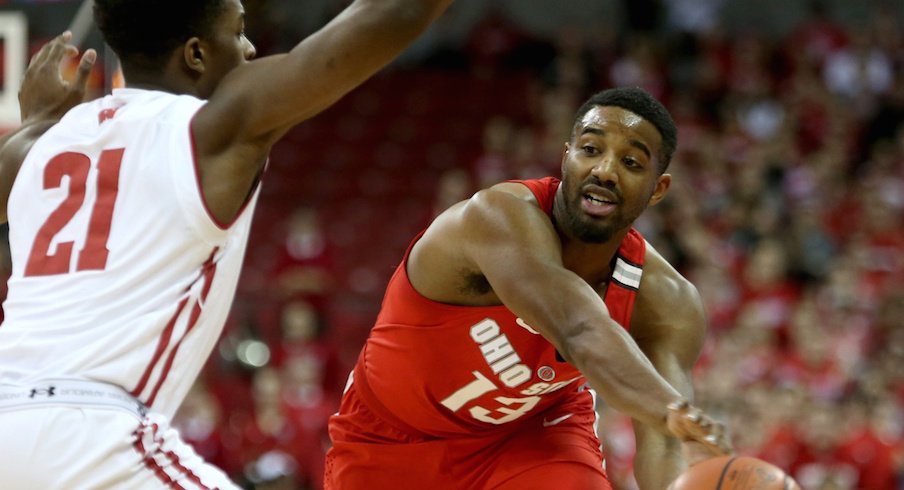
(630, 262)
(631, 288)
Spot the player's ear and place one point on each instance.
(193, 54)
(662, 188)
(565, 151)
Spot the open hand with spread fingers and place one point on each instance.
(701, 436)
(45, 94)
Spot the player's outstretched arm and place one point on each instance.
(272, 94)
(45, 95)
(514, 245)
(258, 102)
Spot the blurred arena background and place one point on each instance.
(788, 214)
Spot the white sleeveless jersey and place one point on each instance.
(120, 274)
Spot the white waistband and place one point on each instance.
(69, 392)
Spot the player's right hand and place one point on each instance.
(45, 94)
(701, 437)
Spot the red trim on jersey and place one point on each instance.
(208, 271)
(105, 114)
(174, 458)
(161, 348)
(194, 156)
(151, 463)
(195, 313)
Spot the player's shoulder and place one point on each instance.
(493, 208)
(502, 196)
(663, 288)
(515, 189)
(497, 210)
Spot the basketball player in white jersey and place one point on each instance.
(128, 222)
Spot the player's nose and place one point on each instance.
(604, 169)
(250, 50)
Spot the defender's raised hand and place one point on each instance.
(45, 94)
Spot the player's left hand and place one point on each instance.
(701, 437)
(45, 94)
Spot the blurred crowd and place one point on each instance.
(788, 218)
(786, 211)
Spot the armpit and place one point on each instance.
(475, 284)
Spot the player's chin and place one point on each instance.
(596, 231)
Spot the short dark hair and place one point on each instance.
(643, 104)
(143, 33)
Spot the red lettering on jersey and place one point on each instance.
(105, 114)
(93, 256)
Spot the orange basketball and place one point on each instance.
(734, 473)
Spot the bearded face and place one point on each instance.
(610, 174)
(595, 212)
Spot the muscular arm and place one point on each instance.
(259, 101)
(511, 242)
(669, 327)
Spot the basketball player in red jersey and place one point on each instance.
(128, 219)
(508, 305)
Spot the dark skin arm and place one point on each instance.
(259, 101)
(669, 327)
(502, 235)
(43, 99)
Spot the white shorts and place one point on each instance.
(93, 442)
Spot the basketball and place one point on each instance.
(734, 473)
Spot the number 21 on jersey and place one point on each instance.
(93, 254)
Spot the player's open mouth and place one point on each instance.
(598, 200)
(598, 205)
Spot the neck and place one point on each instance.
(167, 80)
(162, 86)
(591, 261)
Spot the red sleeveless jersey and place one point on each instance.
(439, 370)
